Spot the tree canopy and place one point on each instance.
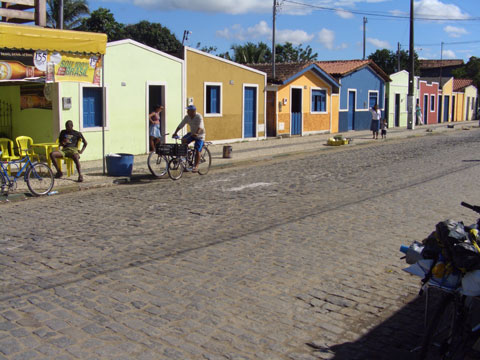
(73, 12)
(388, 61)
(103, 21)
(251, 53)
(471, 70)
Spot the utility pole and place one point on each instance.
(398, 58)
(273, 38)
(411, 75)
(441, 62)
(365, 21)
(60, 15)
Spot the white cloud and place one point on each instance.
(437, 9)
(326, 38)
(209, 6)
(380, 44)
(263, 31)
(344, 14)
(448, 54)
(455, 32)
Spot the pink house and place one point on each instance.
(428, 100)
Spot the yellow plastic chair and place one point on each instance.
(69, 162)
(6, 146)
(23, 145)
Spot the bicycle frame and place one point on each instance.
(23, 169)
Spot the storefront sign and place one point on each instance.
(53, 66)
(78, 68)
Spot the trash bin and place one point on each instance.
(227, 152)
(119, 164)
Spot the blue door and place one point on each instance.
(446, 108)
(92, 107)
(351, 110)
(425, 109)
(296, 112)
(249, 112)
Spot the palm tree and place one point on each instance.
(73, 11)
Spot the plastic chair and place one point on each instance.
(23, 145)
(68, 161)
(6, 146)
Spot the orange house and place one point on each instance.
(302, 99)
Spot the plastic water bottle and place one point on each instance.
(53, 192)
(413, 252)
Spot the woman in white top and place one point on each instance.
(376, 116)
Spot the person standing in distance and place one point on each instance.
(197, 132)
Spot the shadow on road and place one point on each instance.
(393, 339)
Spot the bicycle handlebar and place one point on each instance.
(475, 208)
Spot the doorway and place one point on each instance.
(425, 109)
(296, 111)
(397, 110)
(351, 110)
(271, 114)
(249, 112)
(156, 96)
(453, 108)
(446, 108)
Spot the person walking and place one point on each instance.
(419, 115)
(375, 125)
(383, 128)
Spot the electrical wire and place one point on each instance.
(379, 13)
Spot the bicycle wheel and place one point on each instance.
(439, 331)
(39, 178)
(157, 164)
(3, 184)
(175, 168)
(205, 161)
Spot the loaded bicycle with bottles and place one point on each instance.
(448, 261)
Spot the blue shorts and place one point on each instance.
(198, 143)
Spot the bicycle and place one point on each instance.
(445, 260)
(184, 160)
(158, 160)
(37, 175)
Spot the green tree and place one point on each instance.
(103, 21)
(73, 11)
(471, 70)
(388, 60)
(153, 35)
(287, 53)
(250, 53)
(207, 49)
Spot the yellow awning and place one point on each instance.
(38, 38)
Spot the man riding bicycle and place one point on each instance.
(197, 132)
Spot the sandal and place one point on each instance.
(80, 178)
(58, 175)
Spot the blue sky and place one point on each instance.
(333, 28)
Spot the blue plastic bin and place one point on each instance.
(119, 164)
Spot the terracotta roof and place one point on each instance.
(283, 71)
(461, 84)
(341, 68)
(429, 64)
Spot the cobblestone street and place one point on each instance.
(296, 258)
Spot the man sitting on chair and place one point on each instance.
(68, 141)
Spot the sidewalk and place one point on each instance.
(242, 153)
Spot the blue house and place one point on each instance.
(362, 86)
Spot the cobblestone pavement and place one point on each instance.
(293, 259)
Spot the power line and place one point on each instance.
(450, 43)
(379, 13)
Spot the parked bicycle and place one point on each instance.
(158, 160)
(37, 175)
(183, 159)
(449, 263)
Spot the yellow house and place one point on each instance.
(446, 99)
(302, 99)
(466, 97)
(229, 96)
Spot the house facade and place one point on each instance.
(137, 77)
(362, 86)
(302, 99)
(229, 96)
(397, 99)
(429, 100)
